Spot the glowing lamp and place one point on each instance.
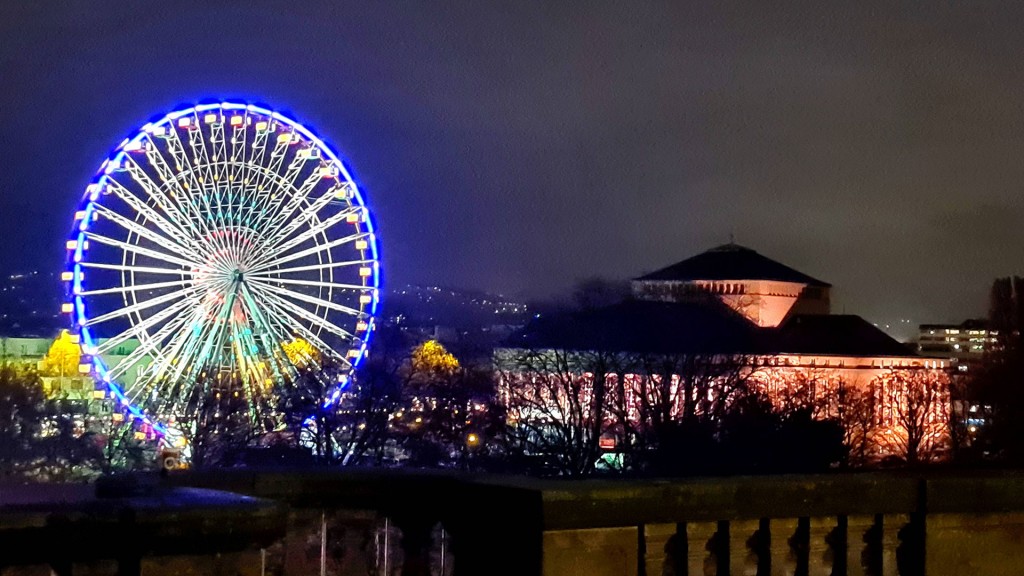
(237, 120)
(140, 435)
(262, 126)
(184, 122)
(72, 244)
(67, 308)
(84, 368)
(210, 118)
(99, 394)
(365, 271)
(285, 137)
(117, 417)
(353, 353)
(365, 299)
(67, 276)
(159, 131)
(362, 244)
(361, 326)
(353, 218)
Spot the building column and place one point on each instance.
(891, 525)
(783, 559)
(700, 561)
(820, 553)
(857, 536)
(658, 559)
(742, 556)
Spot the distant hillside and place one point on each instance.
(460, 309)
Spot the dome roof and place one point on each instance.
(731, 262)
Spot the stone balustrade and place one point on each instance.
(415, 523)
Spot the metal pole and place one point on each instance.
(444, 541)
(387, 544)
(323, 543)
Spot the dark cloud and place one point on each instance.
(520, 146)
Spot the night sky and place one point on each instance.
(521, 146)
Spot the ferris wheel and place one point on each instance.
(222, 249)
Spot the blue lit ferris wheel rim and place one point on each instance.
(78, 313)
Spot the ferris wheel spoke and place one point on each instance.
(142, 251)
(134, 308)
(276, 219)
(272, 333)
(279, 296)
(178, 351)
(136, 288)
(186, 179)
(156, 193)
(141, 329)
(265, 174)
(271, 275)
(140, 230)
(270, 339)
(200, 158)
(312, 231)
(218, 159)
(215, 336)
(144, 209)
(269, 283)
(266, 264)
(301, 329)
(301, 219)
(254, 160)
(140, 269)
(286, 293)
(149, 346)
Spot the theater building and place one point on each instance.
(743, 313)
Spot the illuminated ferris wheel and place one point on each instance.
(222, 249)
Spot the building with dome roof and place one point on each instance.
(731, 305)
(761, 289)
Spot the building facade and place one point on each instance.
(962, 343)
(725, 318)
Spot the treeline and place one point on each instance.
(577, 413)
(41, 439)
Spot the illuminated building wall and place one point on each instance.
(763, 302)
(735, 305)
(761, 289)
(898, 393)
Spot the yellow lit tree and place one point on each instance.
(431, 357)
(300, 352)
(63, 356)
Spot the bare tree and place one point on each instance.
(855, 411)
(913, 411)
(653, 394)
(557, 403)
